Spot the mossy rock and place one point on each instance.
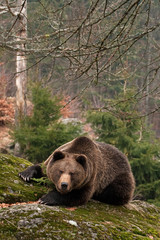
(94, 221)
(12, 188)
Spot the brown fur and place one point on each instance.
(83, 169)
(91, 170)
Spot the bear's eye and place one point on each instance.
(60, 171)
(71, 173)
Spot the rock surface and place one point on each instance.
(138, 220)
(94, 221)
(12, 188)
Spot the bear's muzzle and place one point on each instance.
(64, 184)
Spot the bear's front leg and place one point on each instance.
(71, 199)
(34, 171)
(51, 198)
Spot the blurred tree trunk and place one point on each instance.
(21, 75)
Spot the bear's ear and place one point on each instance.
(58, 155)
(82, 160)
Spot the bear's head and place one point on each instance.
(67, 171)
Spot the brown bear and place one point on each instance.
(83, 169)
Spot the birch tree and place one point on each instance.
(15, 32)
(84, 45)
(21, 64)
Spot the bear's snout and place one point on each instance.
(64, 183)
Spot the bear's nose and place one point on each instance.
(64, 185)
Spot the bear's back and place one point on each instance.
(110, 165)
(113, 156)
(104, 156)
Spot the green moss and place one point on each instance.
(12, 188)
(121, 220)
(98, 221)
(94, 221)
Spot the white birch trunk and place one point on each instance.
(21, 64)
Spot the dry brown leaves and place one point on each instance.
(6, 205)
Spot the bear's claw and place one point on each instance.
(48, 199)
(41, 202)
(34, 171)
(25, 178)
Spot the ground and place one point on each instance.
(94, 221)
(12, 188)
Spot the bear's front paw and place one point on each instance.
(26, 176)
(48, 200)
(31, 172)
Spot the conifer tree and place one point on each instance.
(42, 132)
(123, 128)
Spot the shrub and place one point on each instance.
(43, 131)
(6, 112)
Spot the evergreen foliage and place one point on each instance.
(150, 191)
(123, 128)
(43, 131)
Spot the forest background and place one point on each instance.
(67, 64)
